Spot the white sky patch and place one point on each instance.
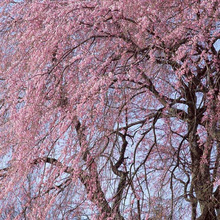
(217, 45)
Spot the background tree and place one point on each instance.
(109, 109)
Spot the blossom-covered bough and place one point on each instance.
(110, 109)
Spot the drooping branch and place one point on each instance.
(120, 173)
(92, 182)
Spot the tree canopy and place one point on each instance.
(110, 109)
